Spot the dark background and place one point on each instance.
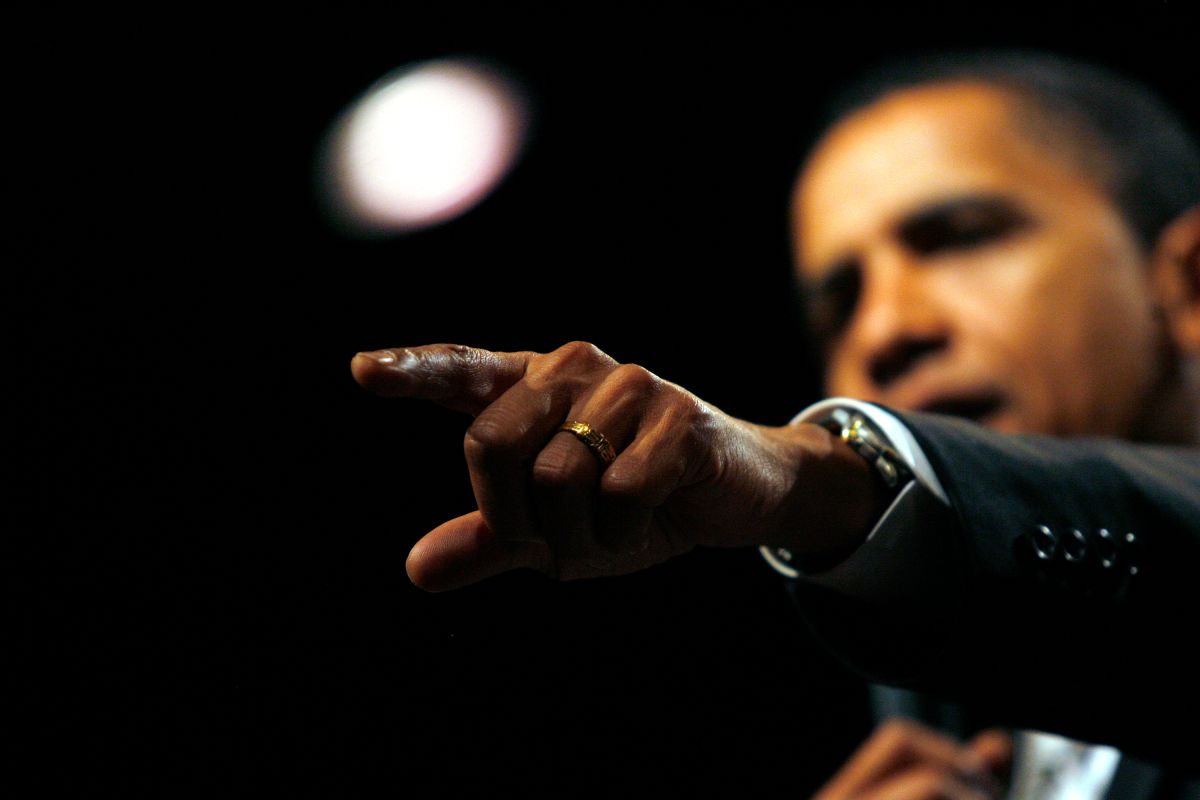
(210, 590)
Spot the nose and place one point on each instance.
(900, 320)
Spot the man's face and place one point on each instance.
(958, 267)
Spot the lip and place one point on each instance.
(974, 404)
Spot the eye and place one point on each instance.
(962, 225)
(831, 303)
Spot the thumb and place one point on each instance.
(464, 550)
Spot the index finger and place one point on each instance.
(452, 375)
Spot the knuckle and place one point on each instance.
(487, 442)
(636, 378)
(633, 482)
(581, 352)
(626, 483)
(691, 409)
(556, 469)
(573, 363)
(696, 418)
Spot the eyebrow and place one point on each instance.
(990, 205)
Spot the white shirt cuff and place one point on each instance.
(898, 437)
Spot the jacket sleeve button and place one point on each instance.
(1105, 546)
(1044, 543)
(1131, 551)
(1075, 545)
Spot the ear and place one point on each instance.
(1175, 267)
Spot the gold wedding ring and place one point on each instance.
(593, 438)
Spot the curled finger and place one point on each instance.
(502, 446)
(568, 472)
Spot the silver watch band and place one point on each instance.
(858, 432)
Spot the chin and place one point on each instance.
(1007, 420)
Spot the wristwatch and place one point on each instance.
(857, 431)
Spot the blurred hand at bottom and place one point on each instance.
(904, 760)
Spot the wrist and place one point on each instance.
(836, 500)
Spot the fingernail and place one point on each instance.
(384, 357)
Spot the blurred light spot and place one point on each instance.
(423, 146)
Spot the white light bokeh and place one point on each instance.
(423, 146)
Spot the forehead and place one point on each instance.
(913, 148)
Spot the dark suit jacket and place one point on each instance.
(1061, 592)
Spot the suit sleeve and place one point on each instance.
(1058, 590)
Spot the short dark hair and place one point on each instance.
(1117, 129)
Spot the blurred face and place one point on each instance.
(955, 267)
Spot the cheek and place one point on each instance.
(1007, 331)
(844, 377)
(1067, 321)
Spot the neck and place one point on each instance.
(1172, 412)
